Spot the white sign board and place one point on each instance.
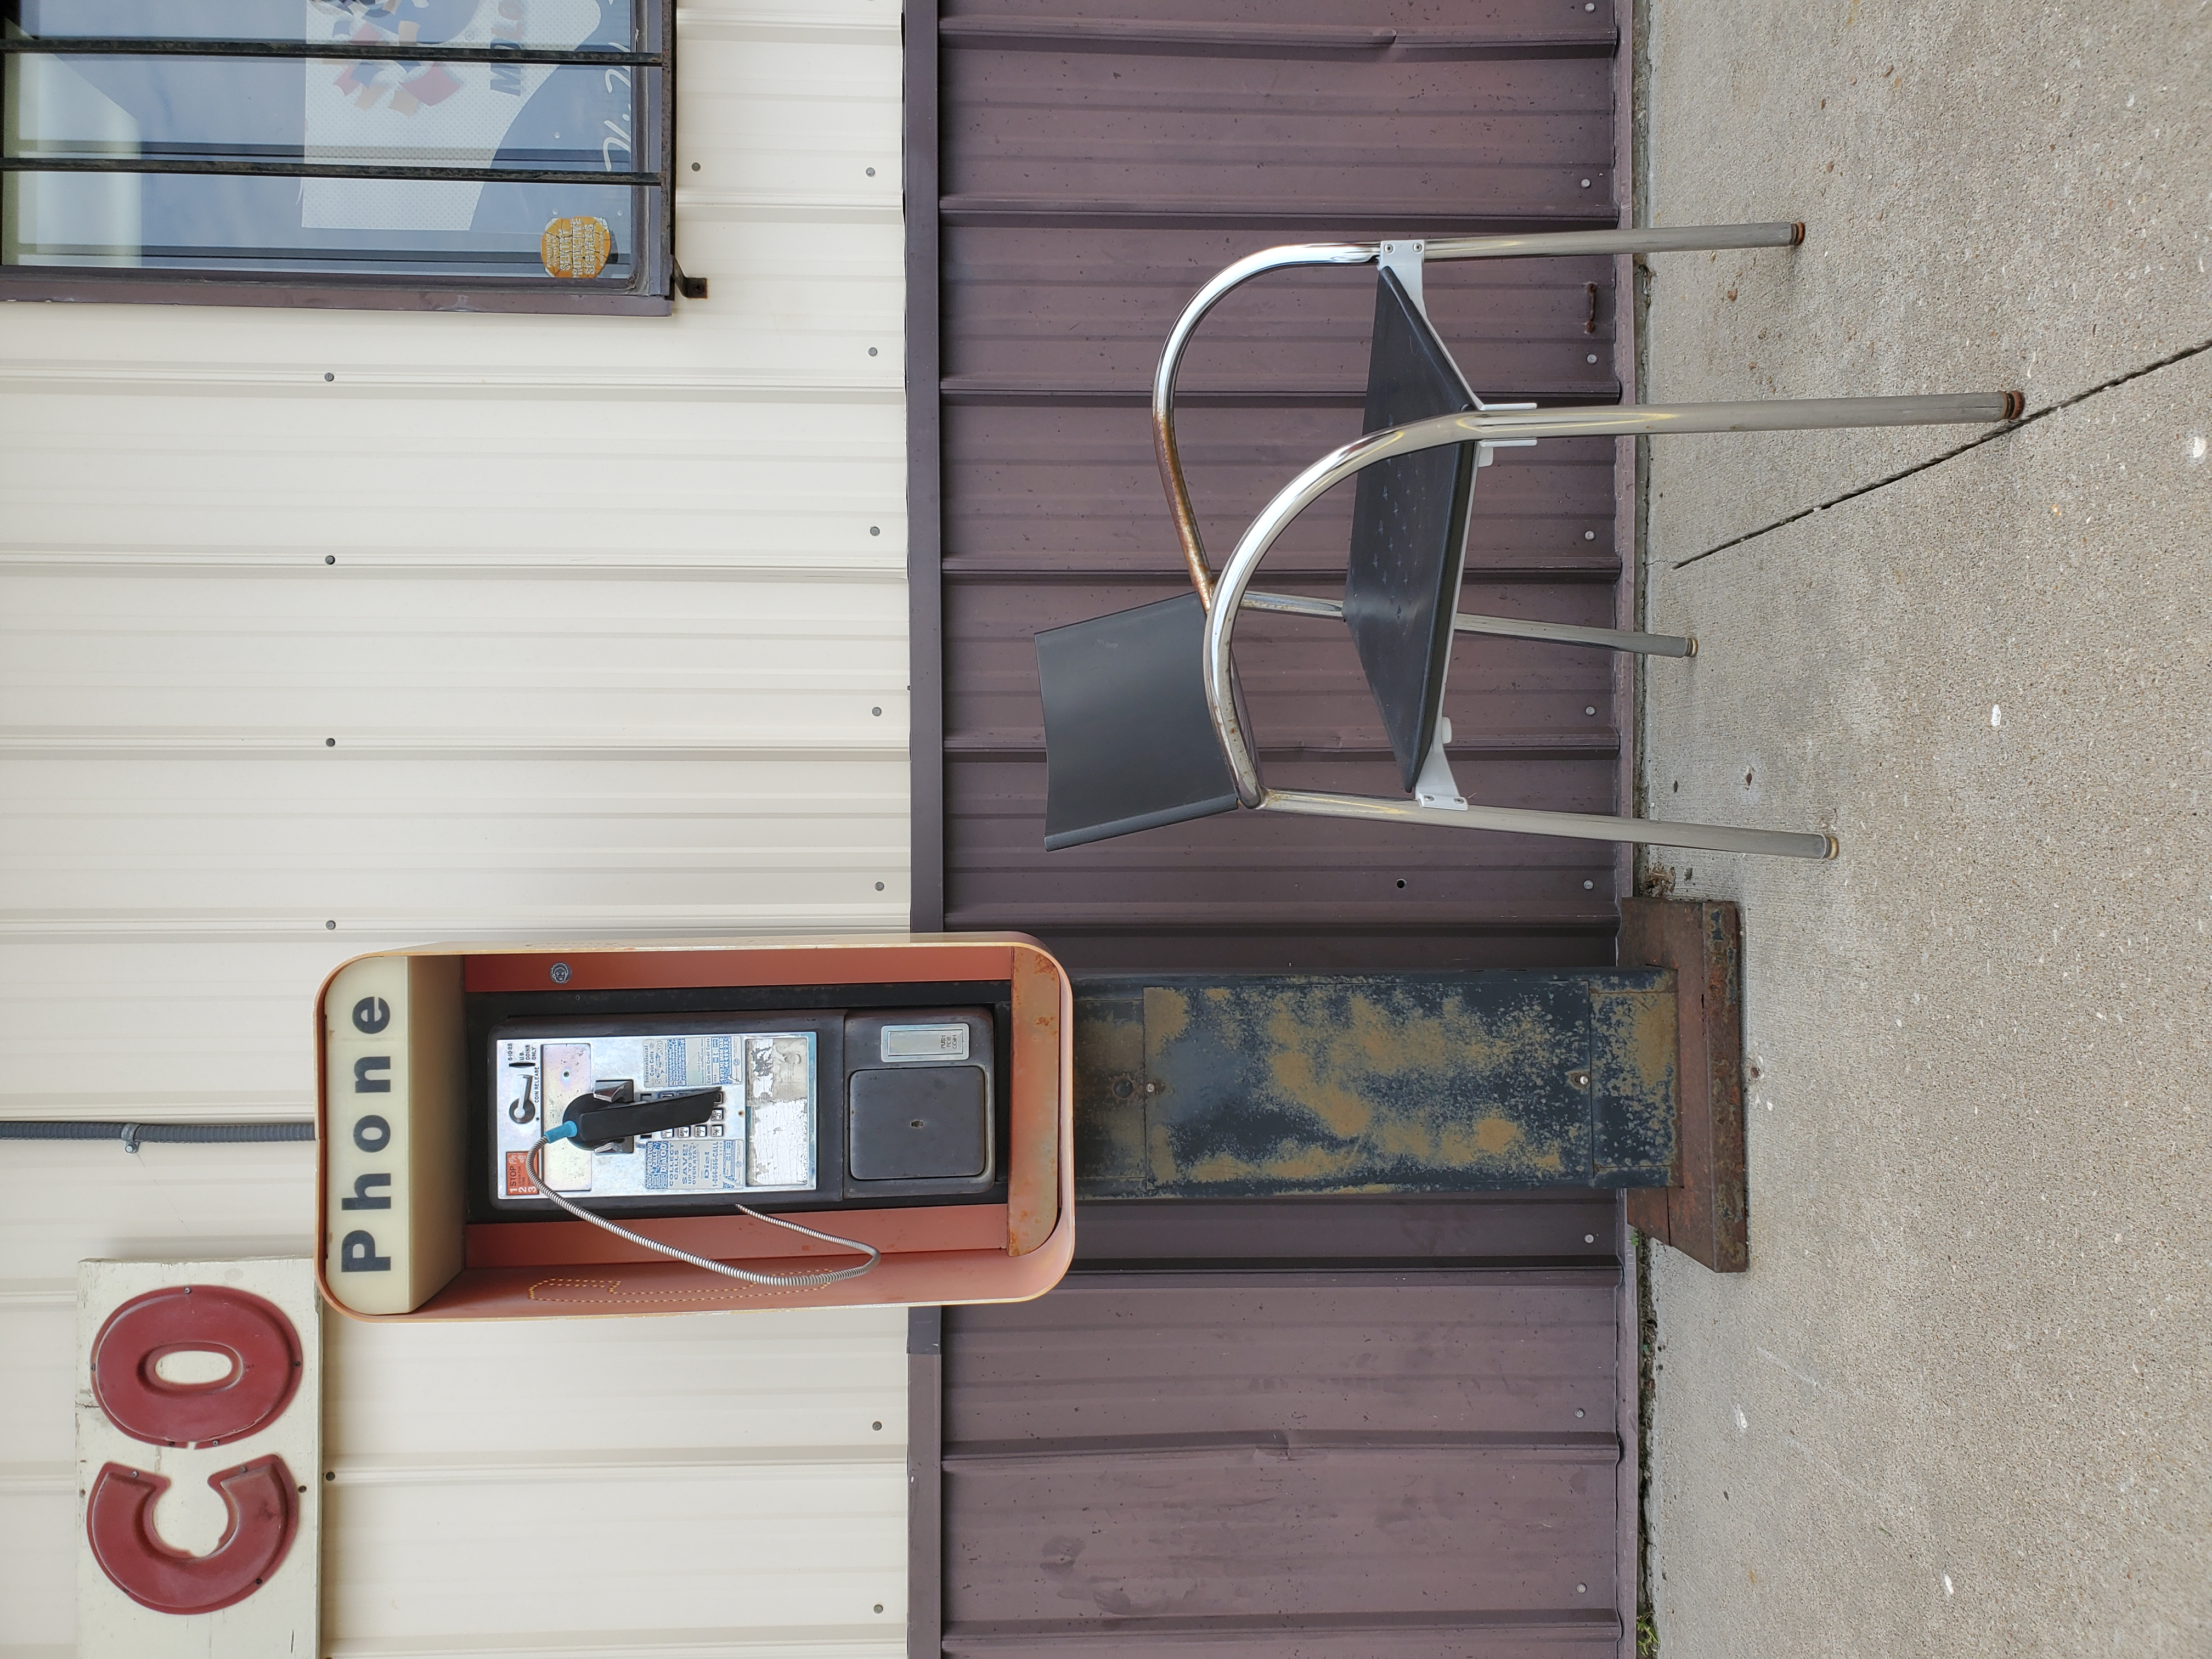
(199, 1458)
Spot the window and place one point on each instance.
(462, 154)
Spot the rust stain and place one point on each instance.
(1654, 1041)
(1635, 1047)
(1495, 1136)
(1293, 1161)
(1333, 1056)
(1167, 1015)
(1306, 1069)
(1407, 1138)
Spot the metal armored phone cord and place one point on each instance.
(777, 1281)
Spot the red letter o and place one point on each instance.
(264, 1366)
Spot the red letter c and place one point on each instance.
(263, 1516)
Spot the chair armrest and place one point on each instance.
(1164, 378)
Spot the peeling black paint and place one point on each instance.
(1248, 1086)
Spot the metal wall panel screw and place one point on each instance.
(1587, 885)
(330, 558)
(1589, 535)
(871, 351)
(332, 925)
(1590, 711)
(1587, 1238)
(1585, 184)
(871, 173)
(875, 530)
(1578, 1411)
(1582, 1589)
(560, 973)
(330, 377)
(1591, 358)
(1580, 1080)
(695, 166)
(879, 888)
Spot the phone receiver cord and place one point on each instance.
(779, 1281)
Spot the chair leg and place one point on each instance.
(1510, 627)
(1578, 826)
(1608, 639)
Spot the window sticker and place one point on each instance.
(575, 247)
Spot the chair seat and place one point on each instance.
(1129, 743)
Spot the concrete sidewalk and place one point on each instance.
(1962, 1402)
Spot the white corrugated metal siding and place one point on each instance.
(615, 603)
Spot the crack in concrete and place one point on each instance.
(1990, 436)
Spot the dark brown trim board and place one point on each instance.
(924, 1482)
(1705, 1212)
(924, 578)
(1627, 1423)
(1615, 311)
(1628, 1411)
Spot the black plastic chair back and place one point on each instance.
(1128, 743)
(1408, 531)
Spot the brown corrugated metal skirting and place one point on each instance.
(1336, 1428)
(1091, 167)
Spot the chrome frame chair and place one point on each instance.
(1070, 655)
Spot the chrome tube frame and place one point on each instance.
(1230, 593)
(1551, 244)
(1575, 826)
(1164, 378)
(1508, 628)
(1490, 426)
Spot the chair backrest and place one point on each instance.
(1129, 743)
(1408, 530)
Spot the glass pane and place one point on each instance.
(454, 22)
(397, 112)
(174, 19)
(342, 114)
(394, 227)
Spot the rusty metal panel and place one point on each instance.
(1094, 163)
(1703, 1210)
(1193, 1087)
(1410, 1450)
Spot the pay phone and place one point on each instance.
(789, 1114)
(805, 1108)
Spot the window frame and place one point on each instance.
(650, 292)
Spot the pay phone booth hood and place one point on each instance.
(954, 1165)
